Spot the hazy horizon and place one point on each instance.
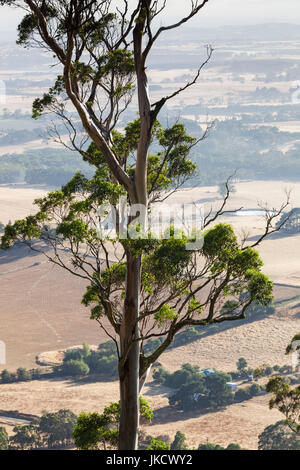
(214, 14)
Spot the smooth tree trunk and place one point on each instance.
(135, 186)
(129, 365)
(129, 361)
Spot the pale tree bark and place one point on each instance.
(129, 371)
(129, 360)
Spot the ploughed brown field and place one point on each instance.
(40, 311)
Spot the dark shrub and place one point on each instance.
(75, 368)
(152, 344)
(23, 374)
(72, 355)
(278, 436)
(179, 442)
(161, 375)
(233, 446)
(242, 394)
(203, 392)
(210, 446)
(268, 371)
(255, 389)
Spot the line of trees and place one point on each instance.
(21, 375)
(42, 166)
(196, 390)
(51, 430)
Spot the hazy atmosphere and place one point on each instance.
(217, 13)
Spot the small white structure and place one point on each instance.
(207, 372)
(232, 385)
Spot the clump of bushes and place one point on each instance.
(295, 379)
(50, 431)
(180, 442)
(278, 436)
(76, 362)
(84, 361)
(3, 439)
(157, 444)
(204, 392)
(152, 344)
(74, 368)
(264, 370)
(210, 446)
(175, 380)
(185, 337)
(195, 390)
(248, 392)
(94, 431)
(21, 375)
(104, 360)
(243, 371)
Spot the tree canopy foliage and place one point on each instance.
(285, 398)
(278, 436)
(101, 431)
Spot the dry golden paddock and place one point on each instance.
(40, 311)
